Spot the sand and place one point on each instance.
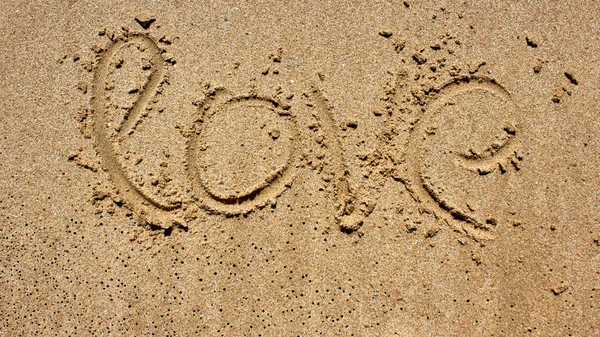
(300, 169)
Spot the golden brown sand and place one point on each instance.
(300, 168)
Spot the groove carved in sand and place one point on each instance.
(497, 156)
(216, 148)
(347, 215)
(106, 144)
(492, 158)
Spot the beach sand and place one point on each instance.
(300, 168)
